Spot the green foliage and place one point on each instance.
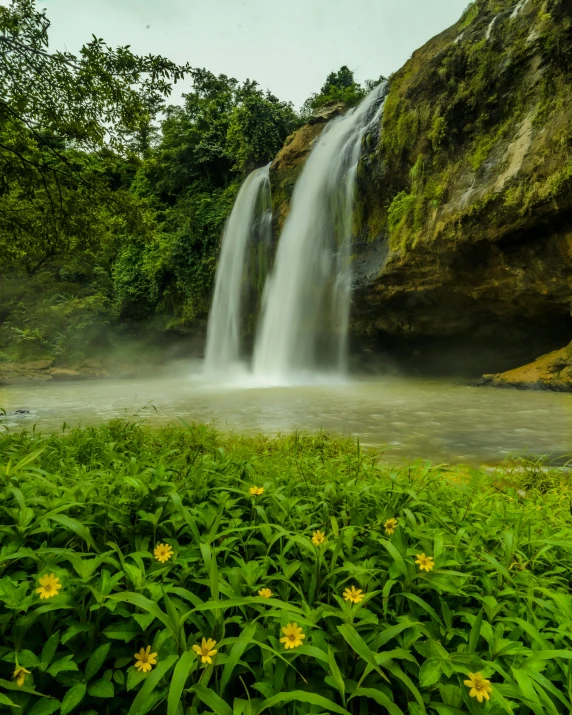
(399, 209)
(90, 507)
(60, 117)
(89, 179)
(339, 86)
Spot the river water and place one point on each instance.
(440, 420)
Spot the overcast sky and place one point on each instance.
(287, 46)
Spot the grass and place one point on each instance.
(90, 506)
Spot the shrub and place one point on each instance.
(335, 536)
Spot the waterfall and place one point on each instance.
(519, 6)
(249, 225)
(490, 28)
(305, 315)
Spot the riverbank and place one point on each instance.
(401, 582)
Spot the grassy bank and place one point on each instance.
(92, 506)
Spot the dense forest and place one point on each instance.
(113, 195)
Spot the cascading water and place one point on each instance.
(518, 8)
(249, 224)
(305, 314)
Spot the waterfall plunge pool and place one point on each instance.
(436, 419)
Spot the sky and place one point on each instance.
(287, 46)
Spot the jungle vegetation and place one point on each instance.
(112, 196)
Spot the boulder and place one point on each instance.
(548, 372)
(64, 374)
(38, 365)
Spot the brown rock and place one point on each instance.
(326, 112)
(62, 374)
(540, 374)
(38, 365)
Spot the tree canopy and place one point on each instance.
(112, 201)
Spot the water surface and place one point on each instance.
(412, 418)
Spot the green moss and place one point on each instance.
(469, 16)
(400, 207)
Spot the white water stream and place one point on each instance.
(518, 8)
(249, 223)
(305, 313)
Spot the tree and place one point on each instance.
(339, 86)
(63, 118)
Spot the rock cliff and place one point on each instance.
(463, 221)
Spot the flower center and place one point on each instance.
(292, 637)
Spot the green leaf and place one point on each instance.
(96, 660)
(337, 675)
(430, 672)
(356, 642)
(73, 698)
(125, 631)
(236, 652)
(379, 697)
(397, 557)
(44, 707)
(211, 700)
(50, 647)
(65, 664)
(77, 527)
(302, 697)
(144, 620)
(101, 688)
(475, 632)
(142, 701)
(136, 599)
(5, 700)
(182, 671)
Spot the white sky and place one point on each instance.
(287, 46)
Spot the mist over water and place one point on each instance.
(305, 314)
(440, 420)
(249, 225)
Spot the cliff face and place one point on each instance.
(463, 218)
(470, 186)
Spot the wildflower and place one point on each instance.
(426, 563)
(49, 586)
(145, 660)
(390, 526)
(293, 636)
(318, 538)
(20, 675)
(256, 491)
(163, 552)
(353, 594)
(206, 650)
(480, 688)
(265, 593)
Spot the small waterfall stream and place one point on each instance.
(249, 225)
(304, 321)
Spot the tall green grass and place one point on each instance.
(90, 506)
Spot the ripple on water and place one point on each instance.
(414, 418)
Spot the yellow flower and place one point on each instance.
(353, 594)
(145, 660)
(206, 650)
(425, 562)
(20, 675)
(163, 552)
(265, 593)
(480, 688)
(390, 526)
(293, 636)
(318, 538)
(256, 491)
(49, 586)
